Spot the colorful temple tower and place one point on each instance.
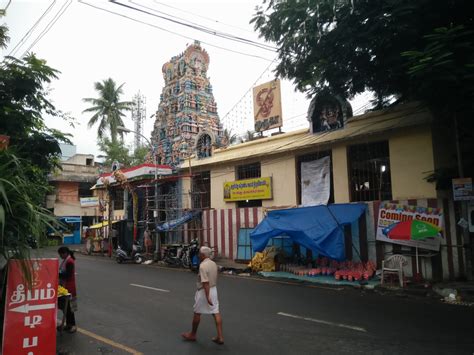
(186, 121)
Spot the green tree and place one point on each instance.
(354, 46)
(230, 137)
(107, 108)
(140, 155)
(114, 151)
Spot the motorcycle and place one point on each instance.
(172, 255)
(194, 255)
(136, 256)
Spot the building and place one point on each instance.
(71, 183)
(186, 120)
(387, 155)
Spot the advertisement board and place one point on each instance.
(248, 189)
(267, 106)
(462, 189)
(390, 213)
(30, 308)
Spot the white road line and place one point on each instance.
(150, 288)
(340, 325)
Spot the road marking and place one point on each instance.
(340, 325)
(109, 342)
(150, 288)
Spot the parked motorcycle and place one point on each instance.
(194, 255)
(136, 256)
(172, 255)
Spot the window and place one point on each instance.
(201, 191)
(117, 196)
(85, 190)
(248, 171)
(369, 172)
(308, 158)
(89, 161)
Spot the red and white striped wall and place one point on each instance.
(220, 228)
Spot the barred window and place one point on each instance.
(248, 171)
(369, 169)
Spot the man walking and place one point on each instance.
(205, 299)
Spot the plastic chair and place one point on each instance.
(394, 265)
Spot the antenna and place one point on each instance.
(138, 116)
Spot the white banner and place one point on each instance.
(315, 182)
(390, 213)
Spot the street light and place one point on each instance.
(155, 212)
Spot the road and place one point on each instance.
(143, 309)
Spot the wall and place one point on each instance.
(340, 174)
(411, 158)
(221, 228)
(67, 191)
(283, 173)
(220, 175)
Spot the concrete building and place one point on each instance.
(382, 156)
(72, 182)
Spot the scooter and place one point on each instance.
(194, 255)
(136, 256)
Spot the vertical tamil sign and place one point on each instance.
(30, 308)
(267, 106)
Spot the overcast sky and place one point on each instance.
(87, 45)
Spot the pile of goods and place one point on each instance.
(62, 291)
(344, 270)
(264, 261)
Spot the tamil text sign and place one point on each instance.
(267, 106)
(249, 189)
(390, 213)
(30, 308)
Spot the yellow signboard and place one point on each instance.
(267, 106)
(249, 189)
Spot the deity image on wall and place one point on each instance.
(327, 112)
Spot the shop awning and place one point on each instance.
(101, 224)
(318, 228)
(175, 223)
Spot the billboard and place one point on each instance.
(390, 213)
(89, 201)
(267, 106)
(248, 189)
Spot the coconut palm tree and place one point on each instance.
(230, 137)
(107, 108)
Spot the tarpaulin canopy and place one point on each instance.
(318, 228)
(185, 218)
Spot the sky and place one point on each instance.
(87, 45)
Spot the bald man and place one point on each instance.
(205, 299)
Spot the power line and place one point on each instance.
(203, 17)
(56, 17)
(195, 26)
(30, 31)
(174, 33)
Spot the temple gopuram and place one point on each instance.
(186, 121)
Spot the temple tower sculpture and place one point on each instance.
(186, 121)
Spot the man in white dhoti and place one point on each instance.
(205, 299)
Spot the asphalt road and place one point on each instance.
(259, 317)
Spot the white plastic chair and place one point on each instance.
(394, 265)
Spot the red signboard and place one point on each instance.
(30, 309)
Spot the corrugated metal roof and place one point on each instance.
(402, 116)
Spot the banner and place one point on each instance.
(390, 213)
(30, 310)
(267, 106)
(249, 189)
(462, 189)
(316, 182)
(89, 201)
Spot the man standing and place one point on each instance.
(205, 299)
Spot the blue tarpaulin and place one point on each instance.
(185, 218)
(318, 228)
